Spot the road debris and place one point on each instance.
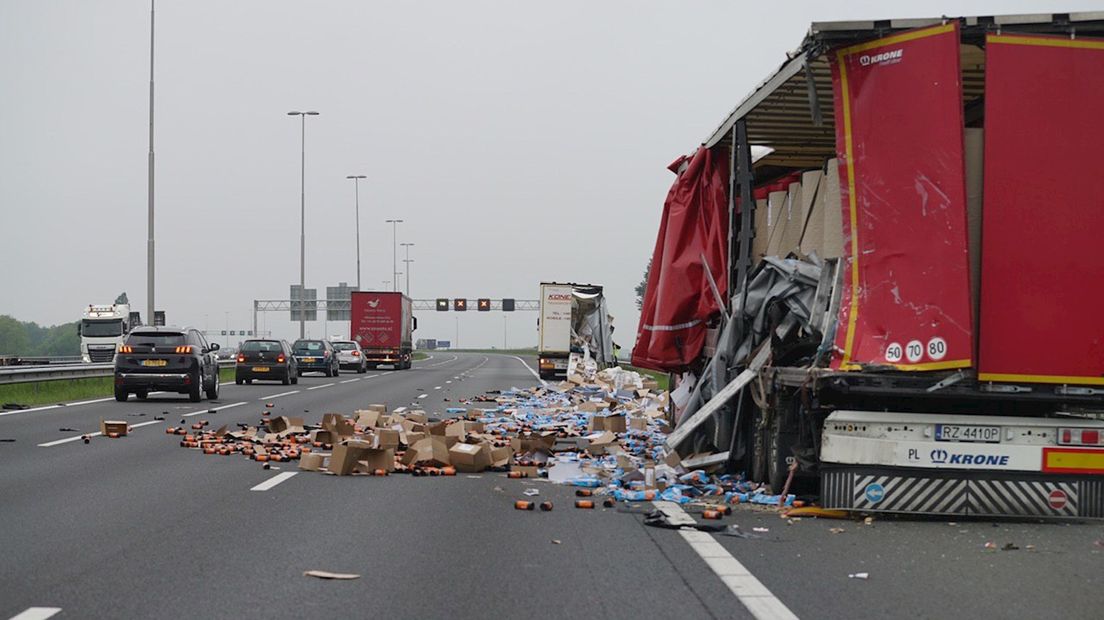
(859, 576)
(322, 574)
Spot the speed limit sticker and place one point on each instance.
(937, 348)
(894, 352)
(914, 350)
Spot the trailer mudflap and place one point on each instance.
(961, 492)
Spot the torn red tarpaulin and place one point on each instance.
(679, 301)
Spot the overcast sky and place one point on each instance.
(519, 141)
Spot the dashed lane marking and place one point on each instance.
(273, 481)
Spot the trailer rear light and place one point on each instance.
(241, 358)
(1080, 437)
(126, 348)
(185, 349)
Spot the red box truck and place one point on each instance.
(383, 324)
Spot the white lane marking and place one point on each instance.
(423, 395)
(188, 415)
(453, 359)
(140, 425)
(279, 395)
(51, 444)
(56, 406)
(449, 381)
(437, 387)
(36, 613)
(758, 600)
(371, 376)
(530, 369)
(273, 481)
(319, 387)
(351, 380)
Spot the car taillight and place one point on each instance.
(280, 358)
(241, 357)
(356, 353)
(1080, 437)
(126, 348)
(185, 349)
(326, 354)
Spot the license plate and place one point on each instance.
(309, 359)
(155, 362)
(260, 369)
(970, 434)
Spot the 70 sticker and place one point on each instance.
(915, 350)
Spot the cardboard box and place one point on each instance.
(638, 423)
(833, 212)
(431, 451)
(776, 221)
(367, 418)
(463, 428)
(438, 428)
(469, 457)
(387, 438)
(374, 459)
(410, 439)
(613, 423)
(284, 425)
(345, 455)
(313, 461)
(501, 455)
(324, 436)
(377, 407)
(522, 444)
(812, 203)
(114, 426)
(418, 417)
(598, 442)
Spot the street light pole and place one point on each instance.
(356, 185)
(303, 221)
(394, 252)
(407, 261)
(149, 243)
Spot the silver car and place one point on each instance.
(349, 355)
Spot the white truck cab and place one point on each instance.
(102, 329)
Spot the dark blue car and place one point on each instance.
(316, 356)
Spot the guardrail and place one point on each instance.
(37, 360)
(60, 372)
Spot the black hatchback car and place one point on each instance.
(171, 359)
(267, 360)
(316, 356)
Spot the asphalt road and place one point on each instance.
(138, 527)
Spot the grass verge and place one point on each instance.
(51, 392)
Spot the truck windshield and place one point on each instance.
(102, 329)
(156, 339)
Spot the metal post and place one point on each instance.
(302, 219)
(407, 261)
(394, 253)
(302, 224)
(356, 189)
(255, 334)
(149, 242)
(747, 211)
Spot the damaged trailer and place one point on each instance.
(842, 319)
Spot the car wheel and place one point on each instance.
(195, 391)
(142, 394)
(249, 382)
(337, 371)
(294, 380)
(238, 380)
(121, 394)
(213, 393)
(286, 380)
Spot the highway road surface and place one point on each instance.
(138, 527)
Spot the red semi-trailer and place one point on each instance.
(912, 258)
(383, 324)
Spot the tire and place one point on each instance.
(362, 369)
(142, 394)
(195, 392)
(121, 394)
(328, 372)
(213, 392)
(286, 380)
(294, 380)
(239, 380)
(337, 371)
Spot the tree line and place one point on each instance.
(29, 339)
